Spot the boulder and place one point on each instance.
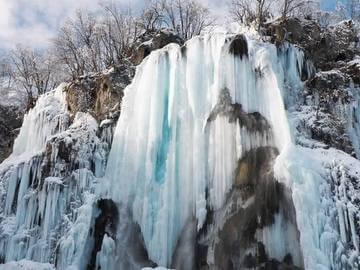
(153, 40)
(100, 94)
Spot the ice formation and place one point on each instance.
(189, 116)
(166, 155)
(47, 181)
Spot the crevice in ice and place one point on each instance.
(105, 224)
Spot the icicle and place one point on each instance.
(48, 117)
(171, 148)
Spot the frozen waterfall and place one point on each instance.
(203, 165)
(175, 142)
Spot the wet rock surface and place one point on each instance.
(231, 237)
(253, 122)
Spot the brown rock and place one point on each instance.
(99, 94)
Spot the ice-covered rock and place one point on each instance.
(48, 179)
(153, 40)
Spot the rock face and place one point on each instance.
(100, 94)
(330, 91)
(239, 46)
(325, 47)
(10, 122)
(256, 202)
(151, 41)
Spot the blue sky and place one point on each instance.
(34, 22)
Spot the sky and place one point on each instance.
(35, 22)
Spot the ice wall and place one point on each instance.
(175, 145)
(46, 185)
(48, 117)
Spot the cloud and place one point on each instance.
(35, 22)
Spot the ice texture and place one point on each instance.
(46, 186)
(167, 157)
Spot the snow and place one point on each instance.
(26, 265)
(355, 61)
(310, 174)
(106, 122)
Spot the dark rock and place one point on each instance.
(151, 41)
(353, 70)
(239, 46)
(64, 151)
(10, 123)
(235, 239)
(184, 257)
(249, 261)
(288, 259)
(329, 80)
(324, 46)
(105, 223)
(329, 91)
(253, 121)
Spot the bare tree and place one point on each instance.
(77, 45)
(186, 17)
(152, 16)
(262, 11)
(32, 70)
(248, 11)
(242, 11)
(119, 32)
(292, 7)
(340, 10)
(6, 72)
(91, 43)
